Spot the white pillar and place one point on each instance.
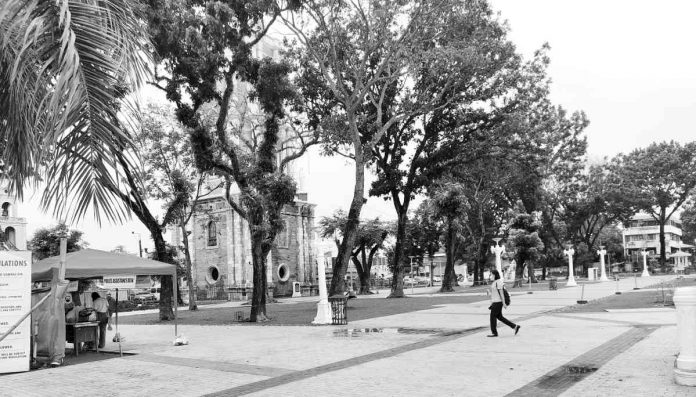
(323, 307)
(645, 264)
(601, 253)
(466, 274)
(685, 368)
(498, 251)
(571, 277)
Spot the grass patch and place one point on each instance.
(303, 313)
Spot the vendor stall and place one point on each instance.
(109, 269)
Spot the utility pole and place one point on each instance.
(140, 243)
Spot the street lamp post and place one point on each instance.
(498, 250)
(602, 252)
(645, 263)
(571, 277)
(140, 243)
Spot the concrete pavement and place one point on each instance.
(441, 352)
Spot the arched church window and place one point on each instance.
(212, 234)
(10, 235)
(5, 209)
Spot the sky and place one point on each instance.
(629, 65)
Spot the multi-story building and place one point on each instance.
(14, 228)
(643, 233)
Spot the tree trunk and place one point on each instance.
(663, 253)
(397, 287)
(480, 264)
(519, 271)
(449, 260)
(259, 255)
(189, 279)
(350, 231)
(363, 274)
(166, 312)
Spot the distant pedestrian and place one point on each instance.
(497, 304)
(112, 307)
(101, 306)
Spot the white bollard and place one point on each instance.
(685, 366)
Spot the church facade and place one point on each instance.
(221, 250)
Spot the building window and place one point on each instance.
(212, 234)
(283, 272)
(10, 236)
(5, 209)
(213, 275)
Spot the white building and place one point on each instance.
(13, 227)
(643, 233)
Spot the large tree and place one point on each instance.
(524, 241)
(206, 68)
(370, 239)
(589, 208)
(384, 64)
(64, 65)
(657, 180)
(688, 220)
(170, 175)
(46, 241)
(417, 150)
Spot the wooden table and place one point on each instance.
(82, 332)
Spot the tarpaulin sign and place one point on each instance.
(15, 301)
(118, 282)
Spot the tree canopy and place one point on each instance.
(46, 241)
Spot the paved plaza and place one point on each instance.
(441, 351)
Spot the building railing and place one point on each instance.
(655, 229)
(13, 219)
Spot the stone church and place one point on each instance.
(221, 249)
(220, 242)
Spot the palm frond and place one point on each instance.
(65, 68)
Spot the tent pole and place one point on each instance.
(118, 336)
(176, 303)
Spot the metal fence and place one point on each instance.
(211, 293)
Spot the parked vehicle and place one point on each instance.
(144, 297)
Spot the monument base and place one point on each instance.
(684, 377)
(323, 313)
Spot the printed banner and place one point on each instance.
(119, 281)
(15, 301)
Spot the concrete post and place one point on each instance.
(685, 367)
(645, 264)
(602, 252)
(571, 277)
(323, 308)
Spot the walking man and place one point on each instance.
(497, 304)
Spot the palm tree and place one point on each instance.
(66, 68)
